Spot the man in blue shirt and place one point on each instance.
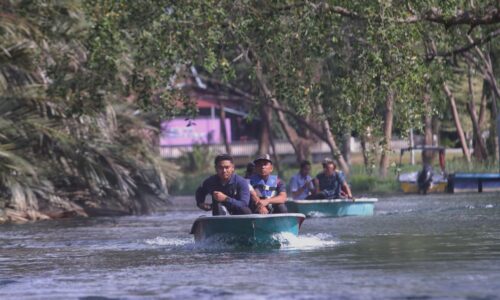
(229, 191)
(269, 189)
(301, 184)
(331, 184)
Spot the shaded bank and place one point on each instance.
(145, 201)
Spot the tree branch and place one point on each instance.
(489, 15)
(473, 43)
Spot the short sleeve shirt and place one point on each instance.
(298, 181)
(331, 185)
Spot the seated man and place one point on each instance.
(229, 190)
(424, 179)
(301, 184)
(270, 190)
(330, 184)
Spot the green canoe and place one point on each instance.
(246, 229)
(332, 207)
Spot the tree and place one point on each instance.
(71, 144)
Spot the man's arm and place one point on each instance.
(201, 193)
(316, 185)
(244, 195)
(278, 199)
(344, 185)
(348, 190)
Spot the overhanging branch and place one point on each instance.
(466, 48)
(488, 15)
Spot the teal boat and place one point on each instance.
(250, 230)
(333, 207)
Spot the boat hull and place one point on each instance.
(474, 182)
(246, 229)
(332, 208)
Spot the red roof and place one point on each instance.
(204, 103)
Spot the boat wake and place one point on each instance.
(317, 214)
(306, 242)
(173, 242)
(282, 241)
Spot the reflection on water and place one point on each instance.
(438, 246)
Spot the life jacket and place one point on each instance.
(264, 189)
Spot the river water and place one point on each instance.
(414, 247)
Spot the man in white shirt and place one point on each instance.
(301, 184)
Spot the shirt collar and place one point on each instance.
(232, 179)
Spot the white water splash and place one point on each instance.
(489, 206)
(161, 241)
(285, 241)
(305, 242)
(317, 214)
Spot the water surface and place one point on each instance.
(414, 247)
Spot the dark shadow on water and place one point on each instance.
(4, 282)
(97, 298)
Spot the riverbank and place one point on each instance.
(144, 202)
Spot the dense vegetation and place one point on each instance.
(72, 141)
(84, 85)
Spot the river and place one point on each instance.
(414, 247)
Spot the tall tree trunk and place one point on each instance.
(484, 104)
(276, 158)
(346, 141)
(436, 125)
(300, 145)
(265, 130)
(494, 128)
(479, 147)
(427, 155)
(366, 145)
(346, 147)
(364, 151)
(223, 129)
(329, 138)
(489, 76)
(386, 143)
(458, 124)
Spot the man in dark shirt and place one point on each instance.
(229, 191)
(270, 190)
(330, 184)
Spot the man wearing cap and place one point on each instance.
(330, 184)
(229, 191)
(269, 188)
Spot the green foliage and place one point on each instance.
(199, 159)
(67, 137)
(364, 183)
(188, 183)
